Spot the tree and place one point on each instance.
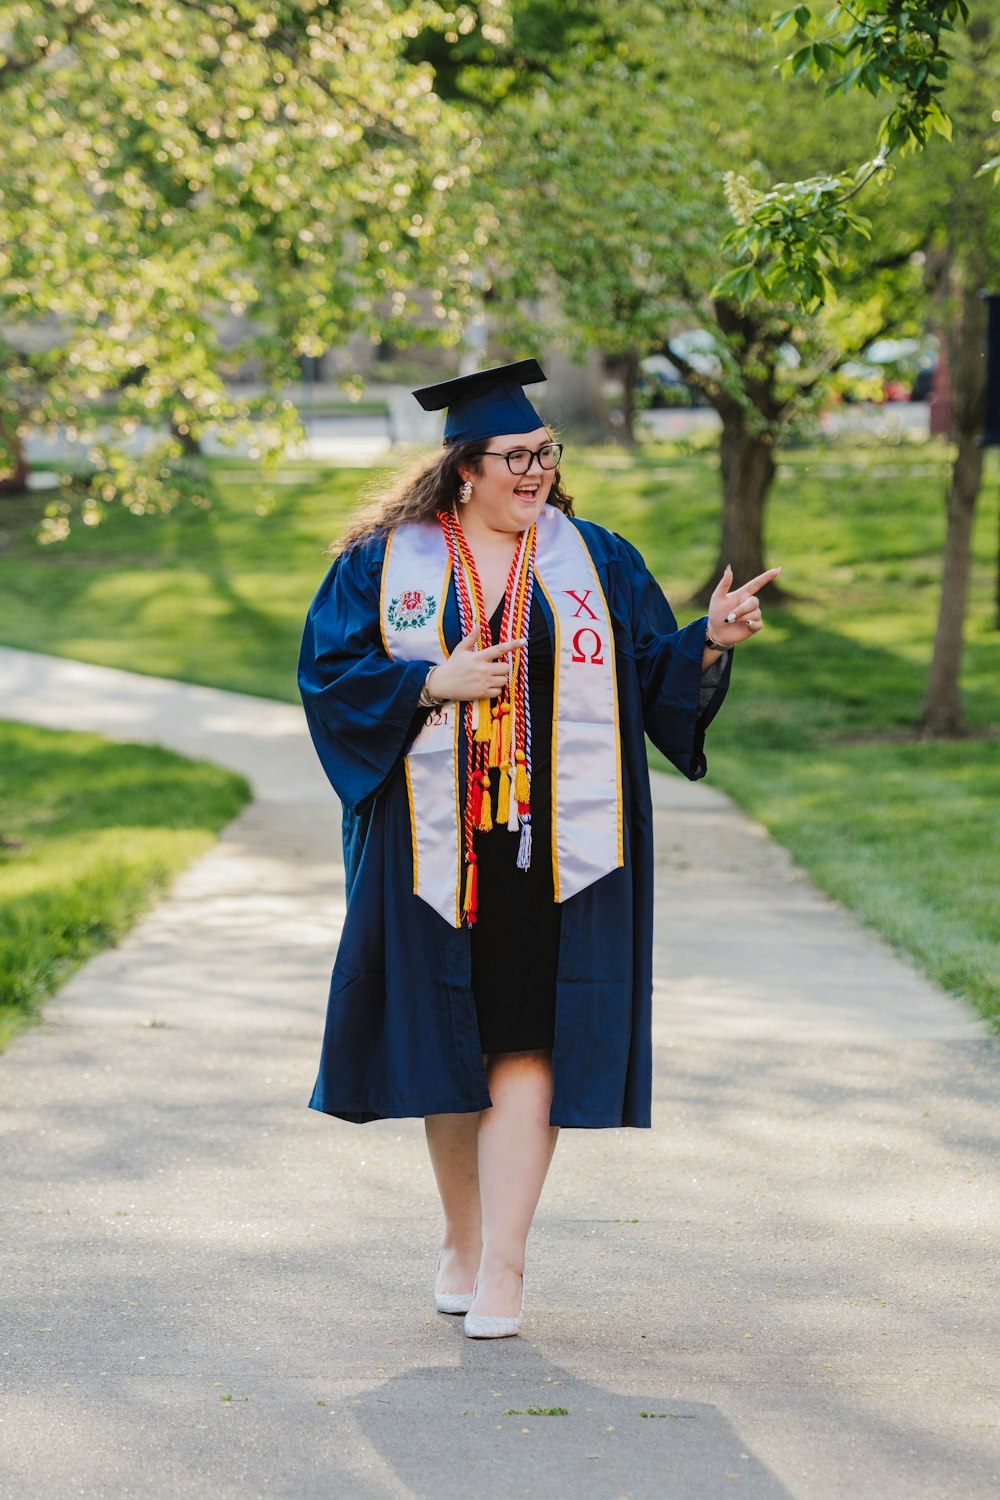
(165, 164)
(793, 245)
(605, 181)
(969, 256)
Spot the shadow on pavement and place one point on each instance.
(476, 1431)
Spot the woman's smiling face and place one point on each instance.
(506, 502)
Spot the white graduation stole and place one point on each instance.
(586, 751)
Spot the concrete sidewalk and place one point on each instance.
(786, 1289)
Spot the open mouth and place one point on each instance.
(527, 491)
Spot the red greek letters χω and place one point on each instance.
(580, 651)
(581, 600)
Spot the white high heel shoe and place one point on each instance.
(451, 1302)
(481, 1326)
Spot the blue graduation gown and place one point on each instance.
(401, 1033)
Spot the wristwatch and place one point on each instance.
(716, 645)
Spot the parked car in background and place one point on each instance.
(700, 348)
(661, 383)
(891, 370)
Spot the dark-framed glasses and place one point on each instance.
(519, 460)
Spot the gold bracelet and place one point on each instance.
(715, 645)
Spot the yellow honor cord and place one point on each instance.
(503, 795)
(504, 756)
(495, 735)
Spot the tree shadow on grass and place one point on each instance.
(54, 608)
(818, 687)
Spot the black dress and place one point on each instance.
(515, 942)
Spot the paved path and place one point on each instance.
(360, 439)
(786, 1289)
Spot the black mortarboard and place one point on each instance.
(487, 403)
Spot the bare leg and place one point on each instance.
(516, 1143)
(453, 1144)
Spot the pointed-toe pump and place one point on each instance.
(481, 1326)
(451, 1302)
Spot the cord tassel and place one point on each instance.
(513, 819)
(469, 905)
(503, 796)
(485, 820)
(484, 722)
(524, 848)
(521, 791)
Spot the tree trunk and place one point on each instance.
(942, 711)
(14, 464)
(187, 440)
(939, 404)
(630, 370)
(748, 469)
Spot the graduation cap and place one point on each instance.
(486, 404)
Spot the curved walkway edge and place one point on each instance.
(787, 1288)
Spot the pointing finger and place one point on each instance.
(503, 648)
(758, 582)
(470, 641)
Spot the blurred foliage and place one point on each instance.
(602, 188)
(168, 168)
(606, 138)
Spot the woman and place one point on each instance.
(477, 671)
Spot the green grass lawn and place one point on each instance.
(814, 739)
(90, 833)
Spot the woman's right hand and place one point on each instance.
(469, 674)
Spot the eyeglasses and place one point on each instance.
(519, 460)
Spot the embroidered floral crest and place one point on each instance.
(411, 609)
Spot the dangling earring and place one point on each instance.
(465, 492)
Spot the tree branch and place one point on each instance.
(13, 67)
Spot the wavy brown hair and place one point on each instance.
(419, 491)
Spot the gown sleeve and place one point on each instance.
(679, 701)
(361, 706)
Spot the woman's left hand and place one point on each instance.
(734, 614)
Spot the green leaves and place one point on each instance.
(791, 236)
(785, 23)
(898, 47)
(248, 184)
(795, 231)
